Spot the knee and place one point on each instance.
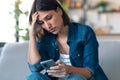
(76, 77)
(36, 76)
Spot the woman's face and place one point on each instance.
(51, 20)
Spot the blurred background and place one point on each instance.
(14, 20)
(102, 15)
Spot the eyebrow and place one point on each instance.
(48, 15)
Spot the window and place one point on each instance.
(7, 20)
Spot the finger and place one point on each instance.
(56, 71)
(62, 70)
(34, 16)
(59, 67)
(55, 67)
(59, 62)
(57, 74)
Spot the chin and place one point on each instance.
(55, 33)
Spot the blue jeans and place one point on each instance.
(39, 76)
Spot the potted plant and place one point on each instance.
(102, 5)
(17, 13)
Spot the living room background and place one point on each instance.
(7, 24)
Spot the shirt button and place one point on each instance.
(56, 49)
(78, 54)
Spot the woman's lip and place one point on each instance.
(52, 30)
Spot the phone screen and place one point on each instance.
(48, 63)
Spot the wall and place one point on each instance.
(107, 21)
(114, 2)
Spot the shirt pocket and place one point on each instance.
(78, 57)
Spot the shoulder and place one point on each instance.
(81, 27)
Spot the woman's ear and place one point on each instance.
(59, 11)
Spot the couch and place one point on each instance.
(13, 60)
(109, 58)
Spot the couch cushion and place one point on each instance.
(109, 56)
(13, 61)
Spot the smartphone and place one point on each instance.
(48, 63)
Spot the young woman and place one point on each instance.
(72, 46)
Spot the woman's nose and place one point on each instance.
(48, 25)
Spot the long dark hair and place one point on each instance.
(45, 5)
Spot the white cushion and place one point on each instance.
(13, 65)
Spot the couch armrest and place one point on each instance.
(13, 65)
(109, 56)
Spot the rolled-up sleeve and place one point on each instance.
(35, 67)
(90, 50)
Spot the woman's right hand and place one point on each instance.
(33, 53)
(35, 27)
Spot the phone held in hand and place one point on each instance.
(48, 63)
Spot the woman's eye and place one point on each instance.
(40, 22)
(49, 17)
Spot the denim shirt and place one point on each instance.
(83, 50)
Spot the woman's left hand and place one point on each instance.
(60, 70)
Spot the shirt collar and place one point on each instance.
(71, 32)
